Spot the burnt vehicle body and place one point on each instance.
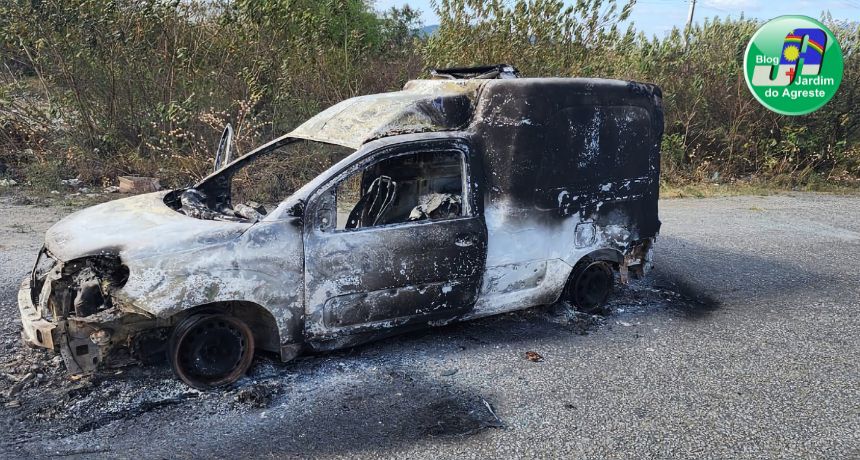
(472, 197)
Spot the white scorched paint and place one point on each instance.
(178, 262)
(528, 262)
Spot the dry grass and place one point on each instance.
(744, 188)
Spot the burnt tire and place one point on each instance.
(589, 286)
(211, 350)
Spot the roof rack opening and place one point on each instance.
(486, 72)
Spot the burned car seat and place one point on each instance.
(373, 204)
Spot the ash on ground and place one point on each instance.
(39, 400)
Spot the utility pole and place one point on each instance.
(689, 22)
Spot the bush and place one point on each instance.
(147, 86)
(98, 88)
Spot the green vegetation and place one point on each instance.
(98, 88)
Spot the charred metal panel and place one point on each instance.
(604, 164)
(573, 146)
(263, 265)
(426, 300)
(519, 285)
(414, 271)
(173, 263)
(541, 137)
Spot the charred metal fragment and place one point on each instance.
(479, 72)
(225, 148)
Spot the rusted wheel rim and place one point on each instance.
(211, 350)
(592, 286)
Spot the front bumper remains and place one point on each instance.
(38, 332)
(81, 346)
(109, 336)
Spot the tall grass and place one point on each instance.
(98, 88)
(106, 87)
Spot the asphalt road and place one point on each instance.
(744, 344)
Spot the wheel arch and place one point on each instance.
(260, 320)
(613, 256)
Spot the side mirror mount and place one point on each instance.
(297, 210)
(225, 148)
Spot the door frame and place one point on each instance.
(324, 196)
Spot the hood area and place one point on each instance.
(134, 228)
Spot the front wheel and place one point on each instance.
(589, 286)
(211, 350)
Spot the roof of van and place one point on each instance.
(440, 105)
(422, 106)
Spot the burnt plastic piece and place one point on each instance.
(248, 212)
(89, 298)
(486, 72)
(194, 204)
(437, 206)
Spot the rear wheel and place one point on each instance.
(211, 350)
(589, 286)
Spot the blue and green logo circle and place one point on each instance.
(793, 65)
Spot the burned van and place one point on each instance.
(458, 198)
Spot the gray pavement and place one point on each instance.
(745, 343)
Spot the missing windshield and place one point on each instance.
(247, 189)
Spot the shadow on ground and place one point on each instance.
(707, 277)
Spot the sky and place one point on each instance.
(657, 17)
